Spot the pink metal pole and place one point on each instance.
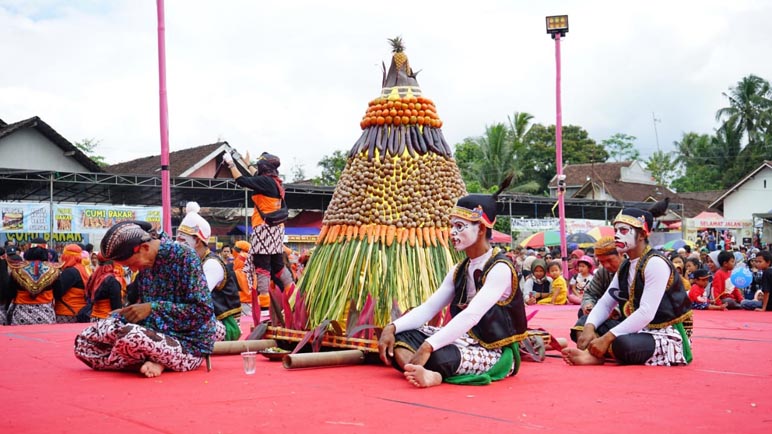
(166, 192)
(559, 161)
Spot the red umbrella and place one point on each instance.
(599, 232)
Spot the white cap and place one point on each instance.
(193, 224)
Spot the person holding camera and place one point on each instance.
(267, 238)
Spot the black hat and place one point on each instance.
(700, 272)
(480, 208)
(476, 208)
(39, 242)
(636, 218)
(268, 164)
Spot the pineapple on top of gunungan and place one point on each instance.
(383, 247)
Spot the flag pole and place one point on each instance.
(166, 195)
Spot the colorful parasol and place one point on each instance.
(541, 239)
(583, 239)
(676, 244)
(599, 232)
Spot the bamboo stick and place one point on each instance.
(327, 358)
(237, 347)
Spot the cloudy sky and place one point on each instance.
(294, 77)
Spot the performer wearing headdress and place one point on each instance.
(479, 344)
(654, 305)
(173, 325)
(267, 259)
(194, 232)
(30, 287)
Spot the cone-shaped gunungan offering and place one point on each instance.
(383, 247)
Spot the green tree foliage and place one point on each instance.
(701, 171)
(720, 161)
(538, 160)
(621, 147)
(298, 173)
(332, 166)
(486, 160)
(662, 166)
(88, 147)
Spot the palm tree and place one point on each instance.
(498, 156)
(750, 107)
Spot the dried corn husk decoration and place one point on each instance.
(385, 232)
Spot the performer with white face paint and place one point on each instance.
(654, 305)
(479, 344)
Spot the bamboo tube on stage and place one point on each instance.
(327, 358)
(238, 347)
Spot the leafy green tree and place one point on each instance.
(486, 160)
(750, 108)
(298, 173)
(88, 147)
(332, 166)
(663, 167)
(538, 159)
(621, 147)
(700, 165)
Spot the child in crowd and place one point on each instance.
(559, 290)
(699, 293)
(678, 263)
(724, 292)
(537, 285)
(690, 266)
(763, 262)
(584, 267)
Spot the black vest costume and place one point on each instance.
(505, 322)
(675, 306)
(226, 294)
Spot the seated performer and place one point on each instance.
(654, 305)
(70, 287)
(609, 259)
(104, 290)
(479, 344)
(194, 232)
(172, 326)
(30, 288)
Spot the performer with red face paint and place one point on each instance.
(653, 301)
(479, 344)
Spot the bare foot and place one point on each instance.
(575, 356)
(419, 376)
(151, 369)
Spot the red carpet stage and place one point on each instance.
(726, 389)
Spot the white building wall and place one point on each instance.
(29, 150)
(754, 196)
(636, 173)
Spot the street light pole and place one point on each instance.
(557, 26)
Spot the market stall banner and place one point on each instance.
(36, 218)
(60, 238)
(86, 218)
(23, 217)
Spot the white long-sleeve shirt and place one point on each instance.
(498, 286)
(656, 275)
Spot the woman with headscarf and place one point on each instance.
(70, 288)
(103, 290)
(30, 288)
(172, 326)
